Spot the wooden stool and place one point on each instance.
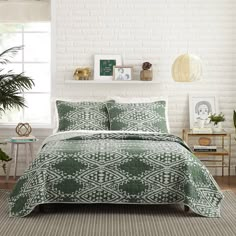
(15, 152)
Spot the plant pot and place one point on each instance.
(146, 75)
(217, 127)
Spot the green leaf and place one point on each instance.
(11, 84)
(9, 53)
(4, 158)
(217, 118)
(234, 119)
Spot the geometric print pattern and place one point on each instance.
(82, 116)
(138, 116)
(116, 168)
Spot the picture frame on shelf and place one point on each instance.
(200, 107)
(103, 66)
(122, 73)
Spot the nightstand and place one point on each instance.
(219, 158)
(28, 145)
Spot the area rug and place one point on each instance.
(118, 220)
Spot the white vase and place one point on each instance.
(217, 128)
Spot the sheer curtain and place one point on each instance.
(24, 11)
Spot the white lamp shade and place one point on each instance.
(187, 68)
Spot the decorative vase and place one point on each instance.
(146, 75)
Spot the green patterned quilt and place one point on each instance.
(116, 167)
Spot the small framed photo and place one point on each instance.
(122, 73)
(200, 107)
(103, 66)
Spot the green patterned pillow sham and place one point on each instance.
(149, 117)
(82, 116)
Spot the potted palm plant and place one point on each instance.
(11, 87)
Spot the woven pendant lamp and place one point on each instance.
(187, 68)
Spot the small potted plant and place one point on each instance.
(4, 158)
(234, 119)
(217, 121)
(146, 73)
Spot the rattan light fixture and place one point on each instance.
(187, 68)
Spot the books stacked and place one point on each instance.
(23, 139)
(202, 130)
(203, 148)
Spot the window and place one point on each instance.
(34, 61)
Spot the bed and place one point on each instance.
(111, 165)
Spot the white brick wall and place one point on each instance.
(155, 31)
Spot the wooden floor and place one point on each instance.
(225, 183)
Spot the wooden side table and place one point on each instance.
(223, 151)
(14, 155)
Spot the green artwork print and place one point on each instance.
(106, 67)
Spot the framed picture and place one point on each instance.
(122, 73)
(200, 107)
(103, 66)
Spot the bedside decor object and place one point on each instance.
(103, 66)
(146, 73)
(187, 68)
(123, 73)
(82, 74)
(23, 129)
(204, 141)
(217, 121)
(205, 130)
(200, 107)
(234, 119)
(23, 139)
(4, 158)
(204, 148)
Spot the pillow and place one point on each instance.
(145, 100)
(149, 117)
(82, 116)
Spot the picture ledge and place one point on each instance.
(70, 81)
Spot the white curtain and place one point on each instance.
(12, 11)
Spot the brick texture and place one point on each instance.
(155, 31)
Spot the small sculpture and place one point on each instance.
(146, 66)
(23, 129)
(204, 141)
(82, 74)
(146, 73)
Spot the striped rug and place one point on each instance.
(114, 220)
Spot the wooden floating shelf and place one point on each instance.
(70, 81)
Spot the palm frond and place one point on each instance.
(12, 85)
(11, 100)
(9, 53)
(14, 82)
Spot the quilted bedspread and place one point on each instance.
(116, 167)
